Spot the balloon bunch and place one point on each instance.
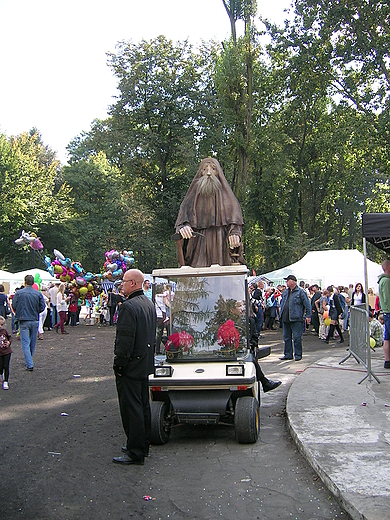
(84, 283)
(117, 263)
(31, 239)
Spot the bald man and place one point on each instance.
(133, 362)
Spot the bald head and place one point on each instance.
(132, 281)
(386, 266)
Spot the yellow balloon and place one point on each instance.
(58, 269)
(83, 291)
(372, 342)
(327, 322)
(90, 287)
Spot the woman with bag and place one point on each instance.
(271, 307)
(335, 312)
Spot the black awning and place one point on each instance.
(376, 229)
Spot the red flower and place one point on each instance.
(228, 335)
(178, 340)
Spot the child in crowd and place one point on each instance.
(376, 329)
(5, 353)
(382, 322)
(88, 316)
(73, 313)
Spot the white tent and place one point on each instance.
(17, 279)
(333, 267)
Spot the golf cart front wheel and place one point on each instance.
(247, 420)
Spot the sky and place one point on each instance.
(54, 72)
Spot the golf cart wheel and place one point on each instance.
(247, 420)
(160, 425)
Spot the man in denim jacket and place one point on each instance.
(293, 307)
(28, 303)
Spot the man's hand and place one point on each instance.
(234, 241)
(186, 232)
(119, 365)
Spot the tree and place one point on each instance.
(359, 38)
(98, 210)
(31, 198)
(234, 82)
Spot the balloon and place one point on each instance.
(83, 291)
(80, 280)
(36, 244)
(71, 274)
(57, 268)
(372, 342)
(38, 280)
(35, 286)
(58, 254)
(77, 267)
(328, 322)
(326, 315)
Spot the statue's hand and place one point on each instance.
(234, 241)
(186, 231)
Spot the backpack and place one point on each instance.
(270, 302)
(341, 300)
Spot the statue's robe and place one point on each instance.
(217, 217)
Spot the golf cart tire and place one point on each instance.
(160, 430)
(247, 420)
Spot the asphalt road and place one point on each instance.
(56, 466)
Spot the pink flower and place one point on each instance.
(228, 335)
(179, 340)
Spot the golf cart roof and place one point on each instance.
(213, 270)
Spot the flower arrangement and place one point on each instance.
(179, 341)
(228, 336)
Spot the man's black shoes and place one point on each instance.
(284, 358)
(126, 460)
(271, 385)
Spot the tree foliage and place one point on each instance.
(30, 197)
(301, 128)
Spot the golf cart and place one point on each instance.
(207, 373)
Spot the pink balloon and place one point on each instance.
(35, 286)
(36, 245)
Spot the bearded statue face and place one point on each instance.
(208, 182)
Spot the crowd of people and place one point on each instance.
(329, 311)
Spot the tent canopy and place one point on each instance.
(333, 267)
(376, 229)
(17, 279)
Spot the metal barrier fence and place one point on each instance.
(359, 339)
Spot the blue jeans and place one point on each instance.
(386, 319)
(28, 337)
(292, 333)
(259, 318)
(14, 323)
(53, 314)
